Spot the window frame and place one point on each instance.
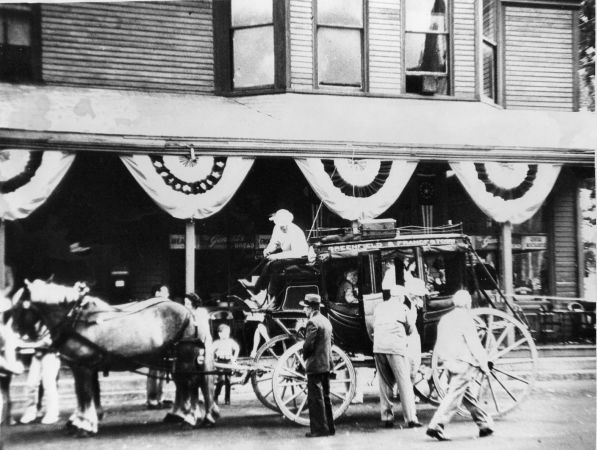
(223, 50)
(336, 87)
(449, 33)
(33, 11)
(497, 48)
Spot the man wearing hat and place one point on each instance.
(392, 324)
(317, 351)
(286, 247)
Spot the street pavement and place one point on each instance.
(557, 415)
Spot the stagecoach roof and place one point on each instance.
(352, 248)
(291, 124)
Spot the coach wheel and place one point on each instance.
(513, 359)
(265, 361)
(290, 384)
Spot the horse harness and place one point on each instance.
(67, 329)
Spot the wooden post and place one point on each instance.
(2, 255)
(190, 243)
(506, 248)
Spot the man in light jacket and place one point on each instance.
(461, 353)
(391, 326)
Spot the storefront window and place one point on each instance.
(426, 47)
(340, 42)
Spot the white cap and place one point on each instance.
(462, 299)
(282, 217)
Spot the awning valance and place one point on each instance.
(297, 125)
(28, 178)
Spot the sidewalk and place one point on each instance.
(556, 362)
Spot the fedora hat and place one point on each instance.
(313, 300)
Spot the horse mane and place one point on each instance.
(52, 293)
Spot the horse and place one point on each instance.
(92, 336)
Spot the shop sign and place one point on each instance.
(222, 242)
(534, 242)
(485, 242)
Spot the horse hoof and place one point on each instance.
(185, 426)
(84, 434)
(173, 418)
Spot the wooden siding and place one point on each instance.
(158, 46)
(385, 46)
(564, 236)
(464, 48)
(539, 58)
(301, 44)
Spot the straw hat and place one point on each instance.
(282, 217)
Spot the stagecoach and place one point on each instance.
(442, 258)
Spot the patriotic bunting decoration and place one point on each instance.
(27, 178)
(357, 188)
(187, 186)
(507, 192)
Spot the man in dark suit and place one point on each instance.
(317, 351)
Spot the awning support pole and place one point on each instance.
(506, 248)
(190, 243)
(2, 255)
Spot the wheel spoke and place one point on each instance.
(270, 392)
(510, 375)
(339, 366)
(337, 395)
(260, 380)
(503, 335)
(295, 395)
(503, 352)
(497, 407)
(291, 372)
(504, 387)
(271, 350)
(302, 406)
(293, 383)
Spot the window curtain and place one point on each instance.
(507, 192)
(357, 188)
(189, 187)
(27, 178)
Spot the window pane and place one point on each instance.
(426, 52)
(18, 31)
(339, 56)
(251, 12)
(425, 15)
(1, 29)
(427, 84)
(489, 30)
(489, 74)
(340, 12)
(253, 50)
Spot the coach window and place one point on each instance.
(249, 45)
(340, 34)
(426, 43)
(19, 57)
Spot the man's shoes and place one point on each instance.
(312, 435)
(29, 416)
(49, 420)
(154, 405)
(484, 432)
(413, 424)
(387, 424)
(437, 433)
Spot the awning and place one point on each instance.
(297, 125)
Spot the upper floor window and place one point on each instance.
(489, 49)
(340, 33)
(252, 29)
(249, 44)
(17, 50)
(426, 46)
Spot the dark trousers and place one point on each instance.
(320, 405)
(271, 275)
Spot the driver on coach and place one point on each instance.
(288, 240)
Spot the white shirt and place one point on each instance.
(391, 326)
(457, 340)
(292, 243)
